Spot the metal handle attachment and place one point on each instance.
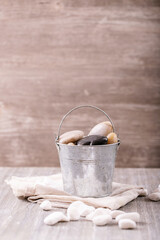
(82, 106)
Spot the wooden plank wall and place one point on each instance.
(55, 55)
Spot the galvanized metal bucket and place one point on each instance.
(87, 171)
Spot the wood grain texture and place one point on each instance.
(55, 55)
(23, 220)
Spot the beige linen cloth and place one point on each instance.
(40, 188)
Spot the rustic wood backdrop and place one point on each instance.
(55, 55)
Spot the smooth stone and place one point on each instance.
(86, 210)
(102, 129)
(77, 204)
(132, 215)
(98, 212)
(115, 213)
(155, 196)
(71, 136)
(112, 138)
(46, 205)
(126, 224)
(55, 217)
(71, 144)
(93, 140)
(82, 208)
(73, 213)
(102, 220)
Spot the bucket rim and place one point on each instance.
(104, 145)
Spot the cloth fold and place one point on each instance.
(40, 188)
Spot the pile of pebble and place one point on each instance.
(100, 134)
(100, 216)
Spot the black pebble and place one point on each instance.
(93, 140)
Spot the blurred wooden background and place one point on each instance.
(55, 55)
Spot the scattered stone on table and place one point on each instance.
(55, 217)
(132, 215)
(46, 205)
(155, 195)
(102, 220)
(126, 224)
(98, 212)
(73, 213)
(115, 213)
(83, 208)
(86, 210)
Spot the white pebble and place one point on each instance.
(77, 204)
(102, 220)
(115, 213)
(73, 213)
(54, 218)
(133, 216)
(126, 224)
(83, 208)
(84, 211)
(90, 216)
(154, 196)
(103, 211)
(97, 212)
(46, 205)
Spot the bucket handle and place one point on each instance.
(82, 106)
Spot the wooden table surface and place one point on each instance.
(58, 54)
(23, 220)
